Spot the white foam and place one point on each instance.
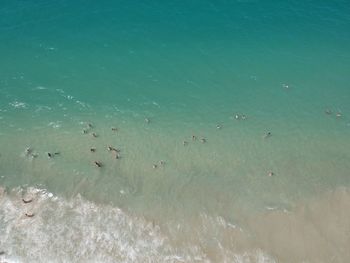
(39, 88)
(18, 104)
(55, 124)
(77, 230)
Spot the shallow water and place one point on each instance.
(190, 70)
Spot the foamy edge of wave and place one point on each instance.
(78, 230)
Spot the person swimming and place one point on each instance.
(94, 135)
(29, 214)
(111, 148)
(27, 201)
(28, 150)
(203, 140)
(114, 129)
(50, 155)
(92, 149)
(98, 164)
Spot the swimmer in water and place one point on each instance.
(29, 214)
(110, 148)
(184, 143)
(155, 166)
(203, 140)
(28, 150)
(194, 137)
(90, 125)
(114, 129)
(98, 164)
(147, 120)
(84, 131)
(27, 201)
(338, 115)
(218, 126)
(270, 174)
(92, 150)
(94, 135)
(51, 155)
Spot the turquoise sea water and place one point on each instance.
(190, 69)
